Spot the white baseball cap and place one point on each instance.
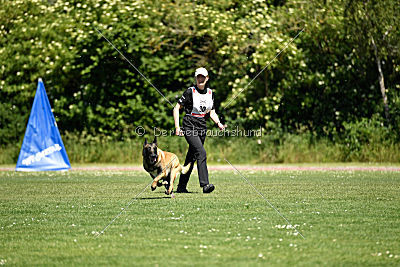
(201, 71)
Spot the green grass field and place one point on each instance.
(347, 218)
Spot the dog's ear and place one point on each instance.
(155, 140)
(145, 142)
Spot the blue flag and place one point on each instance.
(42, 148)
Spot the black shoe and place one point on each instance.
(181, 190)
(208, 188)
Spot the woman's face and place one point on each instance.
(201, 80)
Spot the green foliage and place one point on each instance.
(365, 141)
(394, 96)
(367, 138)
(325, 79)
(374, 19)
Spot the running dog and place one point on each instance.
(162, 166)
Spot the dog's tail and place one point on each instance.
(186, 168)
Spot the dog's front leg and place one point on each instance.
(155, 181)
(174, 173)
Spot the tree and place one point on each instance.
(375, 28)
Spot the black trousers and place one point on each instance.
(196, 152)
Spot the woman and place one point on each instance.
(198, 102)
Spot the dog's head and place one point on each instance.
(150, 151)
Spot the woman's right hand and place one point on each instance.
(221, 126)
(178, 131)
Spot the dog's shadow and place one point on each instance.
(146, 198)
(164, 196)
